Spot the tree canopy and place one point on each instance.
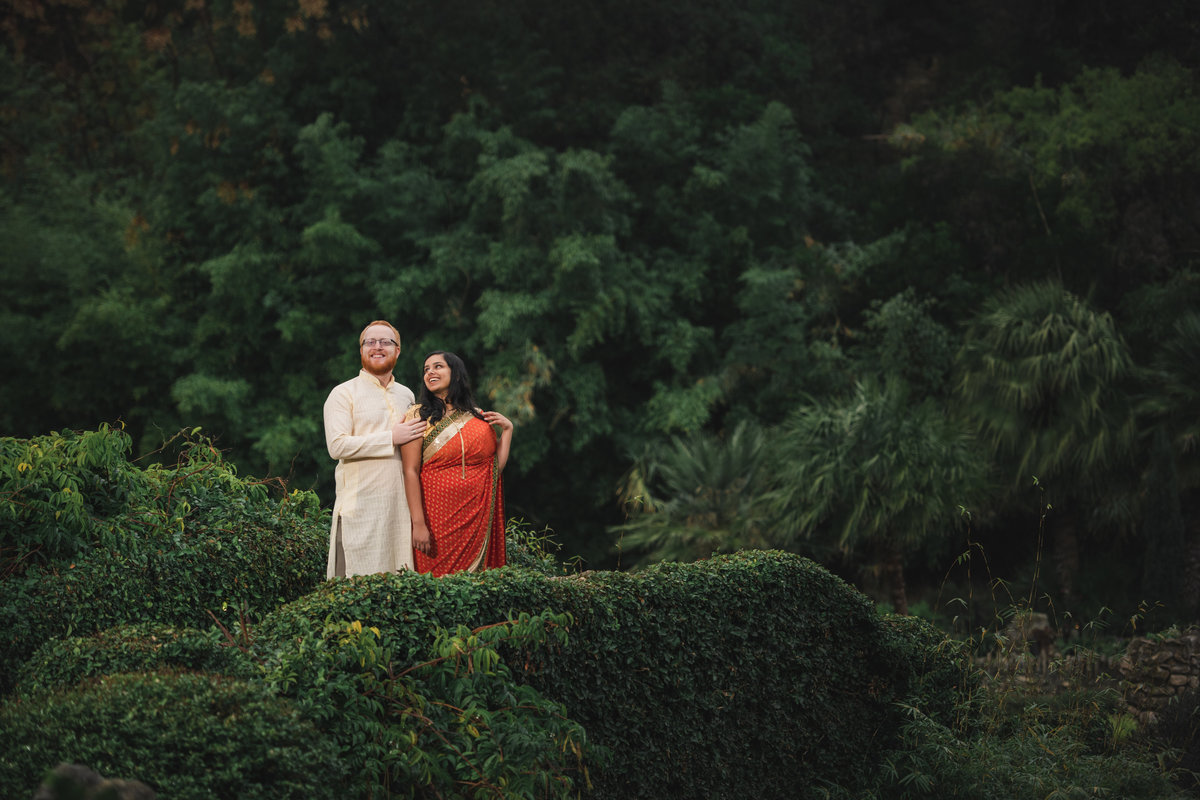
(641, 225)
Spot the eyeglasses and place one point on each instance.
(379, 342)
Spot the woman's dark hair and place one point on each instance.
(459, 394)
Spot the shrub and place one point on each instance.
(185, 541)
(758, 670)
(452, 725)
(530, 549)
(189, 736)
(1177, 734)
(1032, 762)
(62, 663)
(55, 489)
(944, 680)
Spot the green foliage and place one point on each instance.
(172, 546)
(1177, 733)
(1064, 177)
(904, 341)
(697, 496)
(758, 670)
(532, 550)
(652, 221)
(1041, 375)
(1099, 131)
(1171, 403)
(874, 471)
(945, 682)
(1034, 761)
(56, 492)
(629, 228)
(78, 299)
(454, 724)
(1165, 534)
(62, 663)
(191, 736)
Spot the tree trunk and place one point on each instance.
(1066, 563)
(894, 569)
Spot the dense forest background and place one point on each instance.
(905, 288)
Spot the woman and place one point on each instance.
(452, 474)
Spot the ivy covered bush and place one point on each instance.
(759, 670)
(143, 647)
(189, 736)
(154, 620)
(452, 722)
(944, 680)
(89, 541)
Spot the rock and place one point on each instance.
(77, 782)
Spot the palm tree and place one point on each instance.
(698, 495)
(878, 471)
(1042, 378)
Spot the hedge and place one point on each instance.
(180, 543)
(760, 670)
(145, 647)
(189, 736)
(453, 724)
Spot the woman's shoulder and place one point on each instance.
(413, 412)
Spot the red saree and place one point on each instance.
(463, 497)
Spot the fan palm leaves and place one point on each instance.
(698, 495)
(881, 471)
(1044, 377)
(1041, 375)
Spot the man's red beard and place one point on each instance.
(379, 368)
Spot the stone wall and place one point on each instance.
(1027, 659)
(1150, 674)
(1154, 671)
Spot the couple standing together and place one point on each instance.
(418, 480)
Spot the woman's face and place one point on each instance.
(436, 375)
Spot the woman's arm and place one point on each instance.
(506, 429)
(410, 457)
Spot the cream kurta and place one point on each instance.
(376, 528)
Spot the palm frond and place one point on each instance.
(702, 494)
(1042, 379)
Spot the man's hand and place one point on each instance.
(403, 432)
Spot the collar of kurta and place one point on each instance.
(362, 373)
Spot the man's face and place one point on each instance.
(379, 358)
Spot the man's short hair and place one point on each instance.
(395, 333)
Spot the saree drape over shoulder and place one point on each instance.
(463, 497)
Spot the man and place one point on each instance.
(364, 426)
